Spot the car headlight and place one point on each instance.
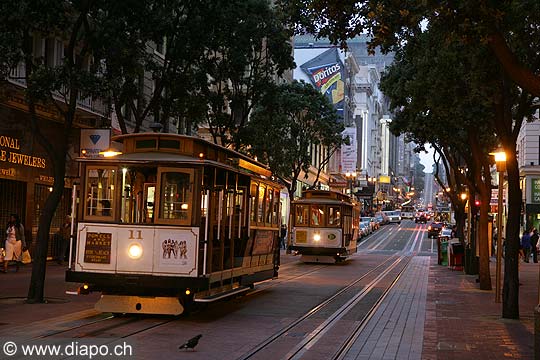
(317, 237)
(135, 251)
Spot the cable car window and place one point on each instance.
(302, 215)
(275, 213)
(260, 204)
(175, 196)
(317, 215)
(334, 216)
(169, 144)
(100, 192)
(145, 144)
(269, 205)
(253, 194)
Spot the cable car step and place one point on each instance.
(223, 295)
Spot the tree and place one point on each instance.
(250, 50)
(505, 27)
(20, 23)
(161, 75)
(290, 119)
(437, 99)
(81, 26)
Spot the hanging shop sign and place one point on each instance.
(94, 141)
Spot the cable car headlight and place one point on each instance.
(317, 237)
(135, 250)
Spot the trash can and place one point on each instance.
(444, 252)
(439, 254)
(455, 254)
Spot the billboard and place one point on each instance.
(349, 152)
(326, 73)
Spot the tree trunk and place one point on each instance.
(511, 277)
(36, 290)
(39, 265)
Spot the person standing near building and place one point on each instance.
(526, 245)
(15, 241)
(63, 237)
(534, 243)
(282, 236)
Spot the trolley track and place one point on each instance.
(361, 306)
(317, 310)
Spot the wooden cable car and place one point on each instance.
(325, 226)
(173, 220)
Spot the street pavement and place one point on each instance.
(459, 321)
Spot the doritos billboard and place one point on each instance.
(326, 74)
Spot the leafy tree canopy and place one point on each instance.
(290, 119)
(509, 28)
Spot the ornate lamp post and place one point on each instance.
(351, 176)
(500, 160)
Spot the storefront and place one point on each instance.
(532, 201)
(26, 176)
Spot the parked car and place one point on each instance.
(394, 216)
(375, 223)
(434, 229)
(365, 229)
(382, 218)
(371, 221)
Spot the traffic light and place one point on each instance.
(476, 208)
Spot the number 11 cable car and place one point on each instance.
(172, 221)
(325, 226)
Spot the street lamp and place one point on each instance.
(350, 177)
(500, 160)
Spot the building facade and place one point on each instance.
(528, 149)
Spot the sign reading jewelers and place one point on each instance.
(535, 190)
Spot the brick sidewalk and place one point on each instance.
(463, 322)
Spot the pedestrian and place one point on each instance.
(63, 237)
(534, 243)
(526, 245)
(15, 242)
(282, 236)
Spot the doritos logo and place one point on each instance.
(324, 74)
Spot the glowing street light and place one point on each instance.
(500, 160)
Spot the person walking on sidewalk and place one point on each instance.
(534, 243)
(526, 245)
(63, 237)
(15, 241)
(283, 236)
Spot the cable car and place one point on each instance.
(171, 221)
(325, 226)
